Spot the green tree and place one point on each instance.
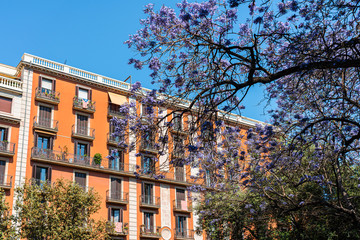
(6, 228)
(61, 210)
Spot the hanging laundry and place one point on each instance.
(85, 103)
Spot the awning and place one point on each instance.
(117, 99)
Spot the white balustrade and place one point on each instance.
(10, 83)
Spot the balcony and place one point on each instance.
(46, 124)
(86, 162)
(182, 206)
(48, 96)
(119, 198)
(10, 84)
(114, 140)
(178, 130)
(84, 105)
(117, 229)
(5, 182)
(149, 146)
(182, 234)
(149, 232)
(84, 133)
(149, 201)
(39, 182)
(114, 111)
(7, 149)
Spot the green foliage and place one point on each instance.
(97, 158)
(62, 210)
(7, 231)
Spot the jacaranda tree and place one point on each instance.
(300, 175)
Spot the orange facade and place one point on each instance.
(62, 127)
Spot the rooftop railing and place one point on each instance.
(11, 84)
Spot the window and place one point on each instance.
(43, 146)
(116, 217)
(147, 109)
(115, 138)
(177, 121)
(148, 140)
(43, 142)
(44, 116)
(82, 153)
(181, 226)
(115, 188)
(147, 192)
(178, 146)
(4, 134)
(5, 104)
(83, 93)
(207, 131)
(147, 165)
(181, 199)
(46, 85)
(149, 222)
(41, 174)
(116, 162)
(2, 172)
(82, 125)
(80, 178)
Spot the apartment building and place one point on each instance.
(55, 123)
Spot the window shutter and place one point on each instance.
(36, 140)
(77, 91)
(121, 215)
(90, 94)
(75, 148)
(51, 143)
(34, 171)
(53, 85)
(40, 80)
(151, 220)
(109, 214)
(5, 104)
(6, 133)
(49, 174)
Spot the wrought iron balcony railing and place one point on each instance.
(47, 95)
(73, 159)
(83, 132)
(7, 148)
(117, 228)
(117, 197)
(114, 111)
(83, 104)
(5, 181)
(149, 231)
(182, 206)
(149, 201)
(182, 233)
(46, 124)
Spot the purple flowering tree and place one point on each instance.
(298, 177)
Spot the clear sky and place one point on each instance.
(85, 34)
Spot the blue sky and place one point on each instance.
(87, 35)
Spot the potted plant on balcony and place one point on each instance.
(97, 159)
